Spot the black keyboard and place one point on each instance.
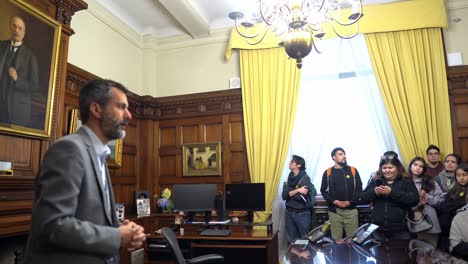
(215, 232)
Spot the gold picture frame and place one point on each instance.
(115, 158)
(202, 159)
(28, 103)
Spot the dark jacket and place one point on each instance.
(341, 185)
(389, 211)
(447, 211)
(296, 202)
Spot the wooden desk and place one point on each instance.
(242, 246)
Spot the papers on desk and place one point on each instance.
(212, 222)
(301, 242)
(220, 222)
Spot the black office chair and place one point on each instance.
(171, 239)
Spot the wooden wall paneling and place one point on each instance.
(203, 117)
(25, 153)
(239, 164)
(458, 92)
(213, 132)
(167, 136)
(145, 156)
(153, 159)
(129, 168)
(167, 166)
(125, 193)
(226, 149)
(191, 134)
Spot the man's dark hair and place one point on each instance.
(299, 161)
(432, 147)
(336, 150)
(99, 91)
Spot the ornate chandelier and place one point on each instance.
(299, 22)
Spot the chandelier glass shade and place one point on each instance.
(299, 22)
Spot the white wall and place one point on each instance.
(107, 48)
(101, 50)
(194, 69)
(456, 39)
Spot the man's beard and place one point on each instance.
(112, 128)
(343, 163)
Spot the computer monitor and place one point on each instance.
(245, 197)
(195, 197)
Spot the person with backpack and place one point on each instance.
(341, 188)
(299, 194)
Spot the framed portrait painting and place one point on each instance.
(202, 159)
(29, 49)
(114, 160)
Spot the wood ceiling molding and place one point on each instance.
(200, 104)
(67, 8)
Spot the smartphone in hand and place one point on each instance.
(378, 182)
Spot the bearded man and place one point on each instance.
(341, 188)
(73, 217)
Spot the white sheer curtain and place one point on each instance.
(339, 106)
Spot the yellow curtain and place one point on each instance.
(270, 87)
(410, 71)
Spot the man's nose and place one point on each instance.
(129, 115)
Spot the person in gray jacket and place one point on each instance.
(73, 215)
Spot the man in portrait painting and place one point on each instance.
(19, 76)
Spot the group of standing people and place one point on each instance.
(438, 190)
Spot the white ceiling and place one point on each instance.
(197, 18)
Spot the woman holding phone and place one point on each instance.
(430, 197)
(393, 194)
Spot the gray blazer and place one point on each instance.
(69, 223)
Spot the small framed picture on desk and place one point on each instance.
(143, 207)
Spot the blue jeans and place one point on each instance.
(297, 224)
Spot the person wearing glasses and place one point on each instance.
(393, 194)
(434, 166)
(341, 188)
(446, 178)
